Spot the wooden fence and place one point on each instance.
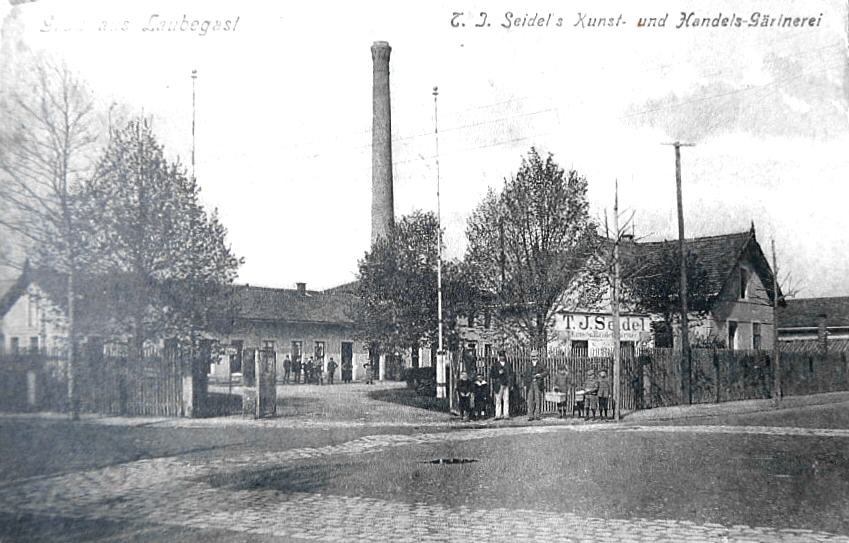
(652, 377)
(580, 368)
(109, 381)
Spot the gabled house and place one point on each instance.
(738, 288)
(737, 284)
(34, 308)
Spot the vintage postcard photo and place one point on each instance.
(425, 271)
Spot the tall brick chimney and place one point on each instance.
(382, 202)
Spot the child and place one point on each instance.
(561, 384)
(480, 389)
(464, 391)
(604, 393)
(591, 395)
(579, 403)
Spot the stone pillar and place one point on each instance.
(382, 203)
(382, 369)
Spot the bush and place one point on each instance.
(422, 380)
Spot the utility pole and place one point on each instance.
(617, 355)
(441, 391)
(194, 80)
(776, 350)
(686, 366)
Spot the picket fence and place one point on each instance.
(653, 378)
(109, 382)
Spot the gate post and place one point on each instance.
(194, 380)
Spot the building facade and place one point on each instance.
(297, 323)
(737, 283)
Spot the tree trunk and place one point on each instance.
(73, 393)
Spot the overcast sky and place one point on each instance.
(284, 115)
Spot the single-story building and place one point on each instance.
(297, 323)
(811, 324)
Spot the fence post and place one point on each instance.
(846, 368)
(716, 375)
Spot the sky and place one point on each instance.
(283, 115)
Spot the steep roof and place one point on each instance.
(291, 305)
(251, 302)
(345, 288)
(91, 294)
(805, 312)
(716, 255)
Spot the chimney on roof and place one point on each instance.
(302, 288)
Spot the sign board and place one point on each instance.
(595, 326)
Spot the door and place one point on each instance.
(347, 361)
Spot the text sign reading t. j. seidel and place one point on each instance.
(590, 326)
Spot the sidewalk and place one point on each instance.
(350, 406)
(741, 407)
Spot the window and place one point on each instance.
(33, 345)
(744, 282)
(487, 319)
(268, 345)
(756, 336)
(319, 352)
(732, 334)
(297, 350)
(580, 348)
(471, 321)
(14, 345)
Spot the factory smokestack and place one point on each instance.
(382, 202)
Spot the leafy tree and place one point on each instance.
(529, 243)
(170, 256)
(48, 138)
(652, 285)
(397, 292)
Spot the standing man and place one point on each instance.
(287, 369)
(309, 371)
(501, 376)
(347, 370)
(535, 385)
(331, 369)
(297, 367)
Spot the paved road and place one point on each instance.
(341, 467)
(539, 483)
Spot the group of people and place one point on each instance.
(313, 371)
(593, 396)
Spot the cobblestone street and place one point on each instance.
(177, 492)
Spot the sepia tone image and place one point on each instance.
(431, 271)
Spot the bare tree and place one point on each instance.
(47, 145)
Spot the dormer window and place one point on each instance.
(744, 283)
